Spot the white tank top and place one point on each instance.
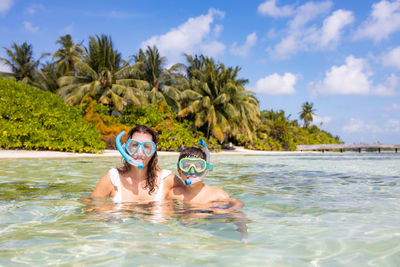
(116, 181)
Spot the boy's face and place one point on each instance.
(191, 167)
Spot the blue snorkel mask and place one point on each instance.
(134, 147)
(194, 169)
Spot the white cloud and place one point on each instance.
(301, 36)
(213, 48)
(190, 37)
(321, 120)
(276, 84)
(383, 21)
(388, 88)
(68, 29)
(113, 14)
(353, 78)
(218, 29)
(286, 48)
(332, 26)
(32, 9)
(4, 67)
(245, 48)
(392, 58)
(350, 78)
(357, 125)
(393, 107)
(5, 5)
(308, 12)
(29, 27)
(269, 8)
(393, 125)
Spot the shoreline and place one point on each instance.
(29, 154)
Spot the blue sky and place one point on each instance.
(344, 56)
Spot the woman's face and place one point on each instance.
(139, 154)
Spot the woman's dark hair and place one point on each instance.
(152, 166)
(192, 152)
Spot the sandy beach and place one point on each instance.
(16, 154)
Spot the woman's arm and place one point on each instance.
(103, 188)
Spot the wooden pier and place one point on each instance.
(343, 147)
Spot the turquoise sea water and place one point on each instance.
(300, 210)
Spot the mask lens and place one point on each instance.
(199, 165)
(132, 146)
(149, 148)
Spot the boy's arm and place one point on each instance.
(224, 196)
(237, 204)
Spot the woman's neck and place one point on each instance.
(138, 175)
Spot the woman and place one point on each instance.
(140, 179)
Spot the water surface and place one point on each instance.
(300, 210)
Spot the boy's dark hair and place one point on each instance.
(194, 152)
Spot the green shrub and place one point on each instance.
(34, 119)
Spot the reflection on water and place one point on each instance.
(187, 214)
(300, 210)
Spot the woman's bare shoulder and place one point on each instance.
(104, 187)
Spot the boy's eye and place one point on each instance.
(198, 165)
(186, 164)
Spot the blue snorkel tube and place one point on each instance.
(209, 167)
(121, 148)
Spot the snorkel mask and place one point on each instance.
(133, 146)
(196, 166)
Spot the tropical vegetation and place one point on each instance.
(33, 119)
(200, 98)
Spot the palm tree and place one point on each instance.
(218, 101)
(68, 54)
(47, 76)
(21, 62)
(161, 83)
(307, 113)
(101, 75)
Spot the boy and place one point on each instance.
(193, 166)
